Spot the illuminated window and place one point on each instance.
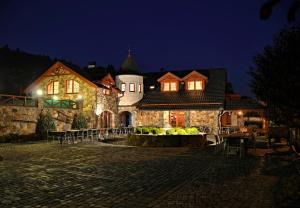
(170, 86)
(191, 85)
(106, 91)
(166, 86)
(123, 87)
(52, 88)
(173, 86)
(195, 85)
(140, 88)
(131, 87)
(198, 85)
(72, 86)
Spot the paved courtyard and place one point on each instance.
(100, 175)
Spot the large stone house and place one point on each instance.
(196, 97)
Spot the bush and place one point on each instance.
(44, 123)
(181, 131)
(79, 122)
(171, 132)
(192, 130)
(139, 130)
(145, 130)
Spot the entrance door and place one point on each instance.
(177, 118)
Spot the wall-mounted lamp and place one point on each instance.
(39, 92)
(240, 113)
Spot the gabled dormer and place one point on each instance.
(169, 82)
(194, 81)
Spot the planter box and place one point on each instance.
(166, 140)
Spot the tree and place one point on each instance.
(267, 9)
(79, 122)
(275, 78)
(44, 123)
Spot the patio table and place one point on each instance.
(240, 139)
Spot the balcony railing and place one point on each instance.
(50, 103)
(14, 100)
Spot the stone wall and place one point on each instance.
(22, 120)
(192, 118)
(205, 118)
(108, 103)
(149, 118)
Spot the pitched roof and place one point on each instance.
(129, 66)
(212, 97)
(242, 103)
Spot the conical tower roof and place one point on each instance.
(129, 66)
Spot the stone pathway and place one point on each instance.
(103, 175)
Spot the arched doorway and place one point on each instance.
(125, 119)
(106, 119)
(226, 119)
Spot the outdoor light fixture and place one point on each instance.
(152, 87)
(240, 113)
(39, 92)
(98, 110)
(55, 97)
(79, 97)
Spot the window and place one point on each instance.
(167, 86)
(170, 86)
(195, 85)
(52, 88)
(173, 86)
(72, 86)
(131, 87)
(140, 88)
(123, 87)
(106, 91)
(198, 85)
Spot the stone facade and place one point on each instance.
(149, 118)
(22, 120)
(192, 118)
(205, 118)
(108, 103)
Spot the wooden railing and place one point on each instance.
(61, 116)
(15, 100)
(50, 103)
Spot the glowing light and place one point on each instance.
(240, 113)
(39, 92)
(55, 97)
(152, 87)
(98, 110)
(79, 97)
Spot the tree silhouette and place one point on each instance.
(267, 9)
(275, 77)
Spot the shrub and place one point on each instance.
(192, 130)
(44, 123)
(79, 122)
(146, 130)
(171, 132)
(181, 131)
(139, 130)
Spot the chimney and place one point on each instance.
(91, 65)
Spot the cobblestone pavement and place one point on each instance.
(94, 175)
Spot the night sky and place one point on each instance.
(170, 34)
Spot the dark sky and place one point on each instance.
(171, 34)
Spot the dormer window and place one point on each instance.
(194, 85)
(53, 88)
(106, 91)
(140, 88)
(169, 86)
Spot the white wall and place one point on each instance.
(130, 98)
